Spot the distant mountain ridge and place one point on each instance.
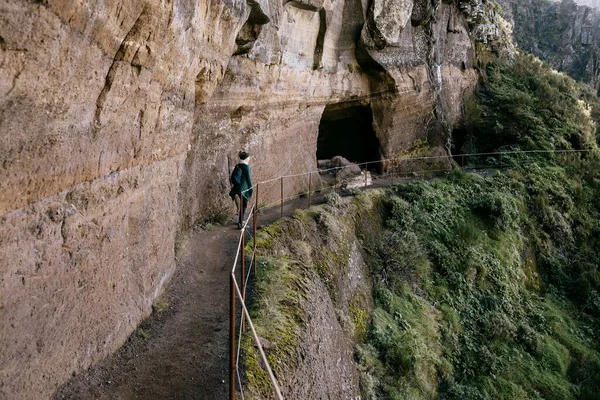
(562, 33)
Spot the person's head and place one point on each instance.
(243, 155)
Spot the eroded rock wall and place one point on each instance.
(326, 367)
(120, 122)
(315, 303)
(96, 111)
(413, 64)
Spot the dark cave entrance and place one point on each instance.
(346, 130)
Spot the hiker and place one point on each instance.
(241, 190)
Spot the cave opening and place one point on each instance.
(346, 130)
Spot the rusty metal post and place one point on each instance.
(256, 199)
(255, 223)
(309, 189)
(281, 197)
(243, 262)
(232, 338)
(243, 265)
(254, 228)
(366, 181)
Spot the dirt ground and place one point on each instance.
(181, 351)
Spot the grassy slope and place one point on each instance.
(548, 29)
(487, 286)
(491, 312)
(504, 300)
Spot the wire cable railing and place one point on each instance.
(238, 293)
(415, 167)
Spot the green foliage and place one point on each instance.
(489, 283)
(143, 334)
(279, 317)
(360, 317)
(524, 105)
(266, 235)
(160, 304)
(455, 316)
(406, 339)
(333, 199)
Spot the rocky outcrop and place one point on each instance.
(565, 35)
(120, 121)
(96, 112)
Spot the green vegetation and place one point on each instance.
(485, 285)
(143, 334)
(458, 315)
(160, 304)
(524, 105)
(359, 316)
(489, 284)
(279, 317)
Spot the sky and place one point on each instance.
(591, 3)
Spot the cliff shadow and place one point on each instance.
(346, 129)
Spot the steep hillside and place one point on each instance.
(484, 285)
(565, 35)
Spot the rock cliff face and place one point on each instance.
(565, 35)
(120, 120)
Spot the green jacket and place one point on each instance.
(246, 186)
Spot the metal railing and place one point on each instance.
(240, 293)
(400, 167)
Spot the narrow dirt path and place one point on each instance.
(181, 350)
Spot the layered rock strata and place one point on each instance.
(96, 113)
(120, 121)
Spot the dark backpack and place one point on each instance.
(236, 175)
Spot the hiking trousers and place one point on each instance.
(244, 206)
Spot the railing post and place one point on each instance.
(335, 175)
(256, 198)
(254, 228)
(366, 176)
(243, 265)
(281, 197)
(254, 223)
(309, 189)
(232, 338)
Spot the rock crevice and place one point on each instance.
(139, 109)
